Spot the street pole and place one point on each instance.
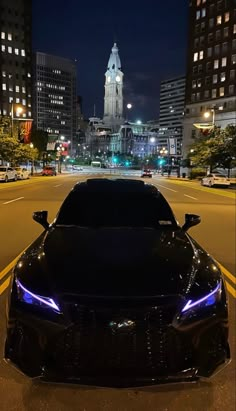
(12, 114)
(213, 117)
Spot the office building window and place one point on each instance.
(231, 88)
(219, 20)
(195, 57)
(23, 53)
(234, 29)
(233, 59)
(226, 17)
(234, 44)
(17, 52)
(222, 77)
(200, 68)
(4, 86)
(224, 61)
(226, 31)
(201, 55)
(209, 52)
(211, 23)
(215, 78)
(194, 84)
(208, 66)
(222, 91)
(224, 47)
(17, 100)
(9, 36)
(232, 74)
(217, 50)
(207, 93)
(3, 35)
(198, 96)
(198, 14)
(218, 35)
(213, 93)
(9, 49)
(199, 83)
(216, 64)
(198, 2)
(17, 89)
(207, 80)
(204, 12)
(3, 47)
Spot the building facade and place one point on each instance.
(16, 58)
(113, 99)
(211, 66)
(172, 101)
(55, 97)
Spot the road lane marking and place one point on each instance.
(227, 274)
(58, 185)
(230, 289)
(186, 195)
(11, 201)
(170, 189)
(5, 285)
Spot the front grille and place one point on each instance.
(103, 340)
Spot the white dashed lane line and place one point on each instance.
(193, 198)
(12, 201)
(170, 189)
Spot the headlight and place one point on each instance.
(205, 301)
(30, 298)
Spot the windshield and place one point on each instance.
(3, 169)
(116, 210)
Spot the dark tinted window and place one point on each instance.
(115, 210)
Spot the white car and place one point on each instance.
(215, 179)
(22, 173)
(7, 174)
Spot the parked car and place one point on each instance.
(49, 171)
(77, 168)
(215, 179)
(7, 174)
(111, 295)
(22, 173)
(146, 173)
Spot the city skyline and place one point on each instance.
(151, 42)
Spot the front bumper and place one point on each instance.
(85, 349)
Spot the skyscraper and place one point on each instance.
(55, 96)
(211, 65)
(113, 100)
(15, 58)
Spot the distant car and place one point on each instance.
(111, 295)
(146, 173)
(22, 173)
(7, 174)
(215, 179)
(77, 168)
(49, 171)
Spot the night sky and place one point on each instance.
(151, 37)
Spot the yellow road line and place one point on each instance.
(231, 290)
(9, 266)
(227, 274)
(5, 285)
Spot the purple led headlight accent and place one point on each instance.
(191, 304)
(45, 300)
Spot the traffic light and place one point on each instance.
(115, 160)
(127, 163)
(161, 161)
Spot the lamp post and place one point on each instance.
(164, 152)
(32, 164)
(129, 106)
(207, 115)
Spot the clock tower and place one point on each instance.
(113, 100)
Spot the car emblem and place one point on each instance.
(120, 326)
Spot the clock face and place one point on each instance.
(118, 79)
(108, 79)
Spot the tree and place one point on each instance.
(218, 150)
(14, 152)
(39, 138)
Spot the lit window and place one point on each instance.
(233, 59)
(219, 20)
(4, 74)
(201, 55)
(198, 96)
(198, 15)
(199, 83)
(234, 30)
(10, 88)
(24, 102)
(23, 53)
(232, 74)
(17, 89)
(213, 93)
(198, 2)
(216, 64)
(214, 78)
(29, 113)
(17, 100)
(209, 52)
(224, 61)
(203, 1)
(3, 35)
(204, 12)
(28, 75)
(9, 36)
(23, 89)
(4, 86)
(226, 17)
(222, 91)
(194, 84)
(4, 112)
(3, 47)
(10, 99)
(9, 49)
(222, 77)
(17, 52)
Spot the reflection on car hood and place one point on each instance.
(109, 261)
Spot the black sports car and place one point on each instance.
(116, 293)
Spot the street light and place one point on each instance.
(32, 165)
(207, 115)
(19, 110)
(129, 106)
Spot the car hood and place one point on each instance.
(109, 262)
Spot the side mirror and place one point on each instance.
(41, 217)
(190, 221)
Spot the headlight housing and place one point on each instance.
(205, 301)
(29, 297)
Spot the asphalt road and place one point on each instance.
(216, 233)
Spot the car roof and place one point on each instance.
(115, 185)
